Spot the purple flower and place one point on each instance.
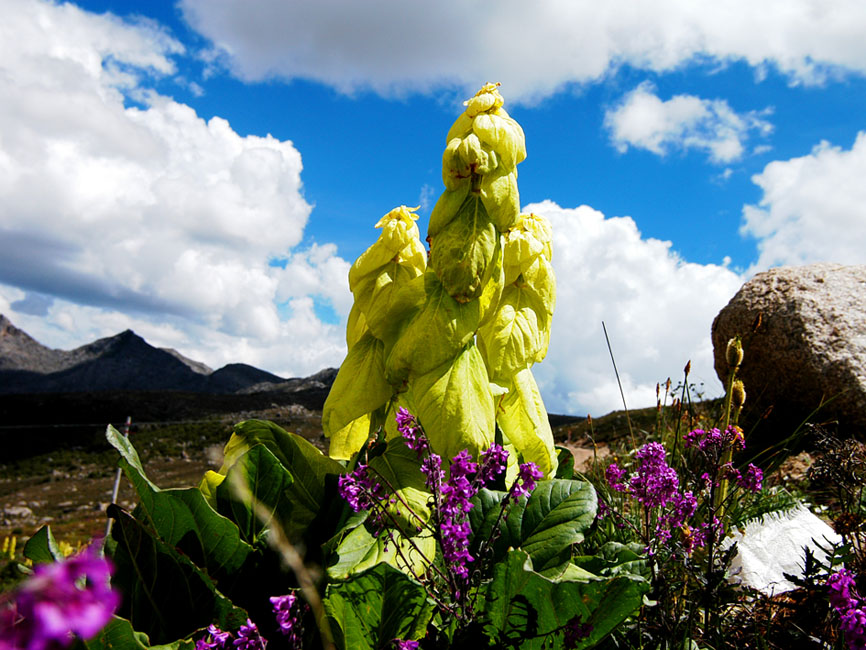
(359, 489)
(713, 441)
(843, 590)
(455, 546)
(399, 644)
(752, 479)
(493, 462)
(61, 600)
(249, 638)
(853, 624)
(655, 482)
(682, 507)
(432, 468)
(219, 640)
(412, 432)
(289, 611)
(527, 475)
(462, 465)
(615, 476)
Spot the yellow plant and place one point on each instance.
(452, 335)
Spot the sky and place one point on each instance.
(205, 172)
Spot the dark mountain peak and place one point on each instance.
(20, 351)
(127, 362)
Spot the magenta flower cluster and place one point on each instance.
(359, 489)
(712, 443)
(248, 638)
(60, 601)
(289, 611)
(655, 484)
(850, 607)
(452, 495)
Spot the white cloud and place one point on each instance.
(645, 121)
(114, 216)
(534, 48)
(658, 310)
(812, 208)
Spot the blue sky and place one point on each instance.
(206, 172)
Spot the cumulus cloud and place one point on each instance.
(392, 46)
(118, 213)
(812, 208)
(643, 120)
(657, 308)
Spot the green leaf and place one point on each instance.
(42, 548)
(182, 517)
(377, 606)
(400, 471)
(525, 609)
(615, 558)
(455, 405)
(564, 463)
(554, 517)
(165, 595)
(309, 467)
(119, 635)
(356, 550)
(462, 251)
(359, 386)
(258, 477)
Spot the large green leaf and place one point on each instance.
(376, 607)
(462, 251)
(119, 635)
(359, 386)
(356, 549)
(399, 469)
(165, 595)
(258, 478)
(554, 517)
(182, 517)
(523, 609)
(312, 491)
(455, 405)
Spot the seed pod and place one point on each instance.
(738, 395)
(734, 352)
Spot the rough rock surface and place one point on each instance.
(810, 347)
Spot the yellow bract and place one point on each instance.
(453, 340)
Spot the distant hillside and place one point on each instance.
(126, 362)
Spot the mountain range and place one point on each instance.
(126, 362)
